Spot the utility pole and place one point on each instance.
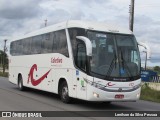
(45, 24)
(131, 15)
(145, 60)
(5, 48)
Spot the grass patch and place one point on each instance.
(4, 75)
(149, 94)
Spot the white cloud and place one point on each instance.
(19, 9)
(21, 16)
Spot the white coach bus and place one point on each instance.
(76, 59)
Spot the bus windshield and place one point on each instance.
(114, 55)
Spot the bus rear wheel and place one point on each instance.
(64, 92)
(20, 83)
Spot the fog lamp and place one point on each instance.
(95, 95)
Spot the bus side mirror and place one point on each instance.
(147, 48)
(88, 44)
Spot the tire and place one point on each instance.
(20, 83)
(107, 102)
(64, 93)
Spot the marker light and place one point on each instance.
(95, 95)
(138, 95)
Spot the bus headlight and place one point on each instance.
(137, 86)
(95, 95)
(138, 95)
(94, 84)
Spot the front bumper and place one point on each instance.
(95, 94)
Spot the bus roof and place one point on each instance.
(97, 26)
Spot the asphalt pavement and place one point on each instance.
(11, 99)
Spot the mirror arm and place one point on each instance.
(87, 43)
(148, 50)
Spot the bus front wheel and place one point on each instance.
(64, 92)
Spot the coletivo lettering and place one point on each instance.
(56, 60)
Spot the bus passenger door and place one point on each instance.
(81, 71)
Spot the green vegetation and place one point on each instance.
(157, 69)
(4, 75)
(3, 58)
(149, 94)
(3, 62)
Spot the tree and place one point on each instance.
(157, 68)
(3, 59)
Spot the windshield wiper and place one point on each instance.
(125, 64)
(113, 63)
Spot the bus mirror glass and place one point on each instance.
(88, 44)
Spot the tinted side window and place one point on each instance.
(61, 42)
(16, 48)
(55, 42)
(12, 48)
(73, 32)
(27, 46)
(47, 43)
(81, 56)
(54, 47)
(36, 44)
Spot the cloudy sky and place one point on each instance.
(18, 17)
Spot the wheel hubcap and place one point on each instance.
(20, 85)
(64, 92)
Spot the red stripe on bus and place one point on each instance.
(38, 81)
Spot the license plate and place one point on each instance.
(119, 96)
